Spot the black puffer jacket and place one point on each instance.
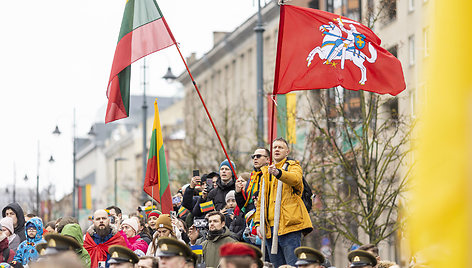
(20, 227)
(217, 195)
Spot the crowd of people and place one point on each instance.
(216, 222)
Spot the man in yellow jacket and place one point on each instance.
(294, 218)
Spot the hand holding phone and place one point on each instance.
(196, 173)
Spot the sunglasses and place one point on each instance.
(256, 156)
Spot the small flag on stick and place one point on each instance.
(182, 212)
(207, 206)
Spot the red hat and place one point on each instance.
(155, 213)
(237, 249)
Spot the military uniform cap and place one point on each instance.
(121, 254)
(359, 258)
(307, 255)
(258, 251)
(41, 248)
(56, 243)
(170, 247)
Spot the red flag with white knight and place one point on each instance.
(318, 49)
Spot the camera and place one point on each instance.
(112, 219)
(202, 226)
(200, 223)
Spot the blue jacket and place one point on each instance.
(27, 249)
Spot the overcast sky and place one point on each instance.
(56, 55)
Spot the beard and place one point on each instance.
(103, 231)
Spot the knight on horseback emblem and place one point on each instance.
(337, 47)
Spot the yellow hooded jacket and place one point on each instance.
(293, 213)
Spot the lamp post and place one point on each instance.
(144, 107)
(37, 184)
(116, 178)
(259, 29)
(58, 132)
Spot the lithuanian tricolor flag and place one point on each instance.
(285, 117)
(156, 183)
(143, 31)
(207, 206)
(182, 212)
(84, 194)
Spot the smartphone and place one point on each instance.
(176, 200)
(209, 184)
(196, 173)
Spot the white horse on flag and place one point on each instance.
(344, 49)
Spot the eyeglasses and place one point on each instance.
(256, 156)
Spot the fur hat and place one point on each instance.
(132, 223)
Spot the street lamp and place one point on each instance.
(116, 178)
(169, 76)
(57, 132)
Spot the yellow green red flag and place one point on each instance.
(156, 183)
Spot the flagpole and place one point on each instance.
(206, 110)
(278, 198)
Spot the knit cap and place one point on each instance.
(229, 195)
(155, 213)
(226, 163)
(164, 222)
(132, 223)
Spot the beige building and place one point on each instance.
(226, 77)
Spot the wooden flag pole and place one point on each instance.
(262, 218)
(278, 197)
(206, 110)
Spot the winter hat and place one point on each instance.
(229, 195)
(164, 222)
(29, 224)
(226, 163)
(155, 213)
(132, 223)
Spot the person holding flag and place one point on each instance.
(294, 218)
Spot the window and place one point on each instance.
(426, 41)
(411, 5)
(392, 106)
(389, 10)
(413, 102)
(314, 4)
(393, 50)
(411, 49)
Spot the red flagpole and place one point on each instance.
(206, 110)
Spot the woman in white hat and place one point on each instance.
(7, 228)
(129, 230)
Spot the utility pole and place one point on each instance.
(37, 185)
(144, 127)
(259, 29)
(74, 154)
